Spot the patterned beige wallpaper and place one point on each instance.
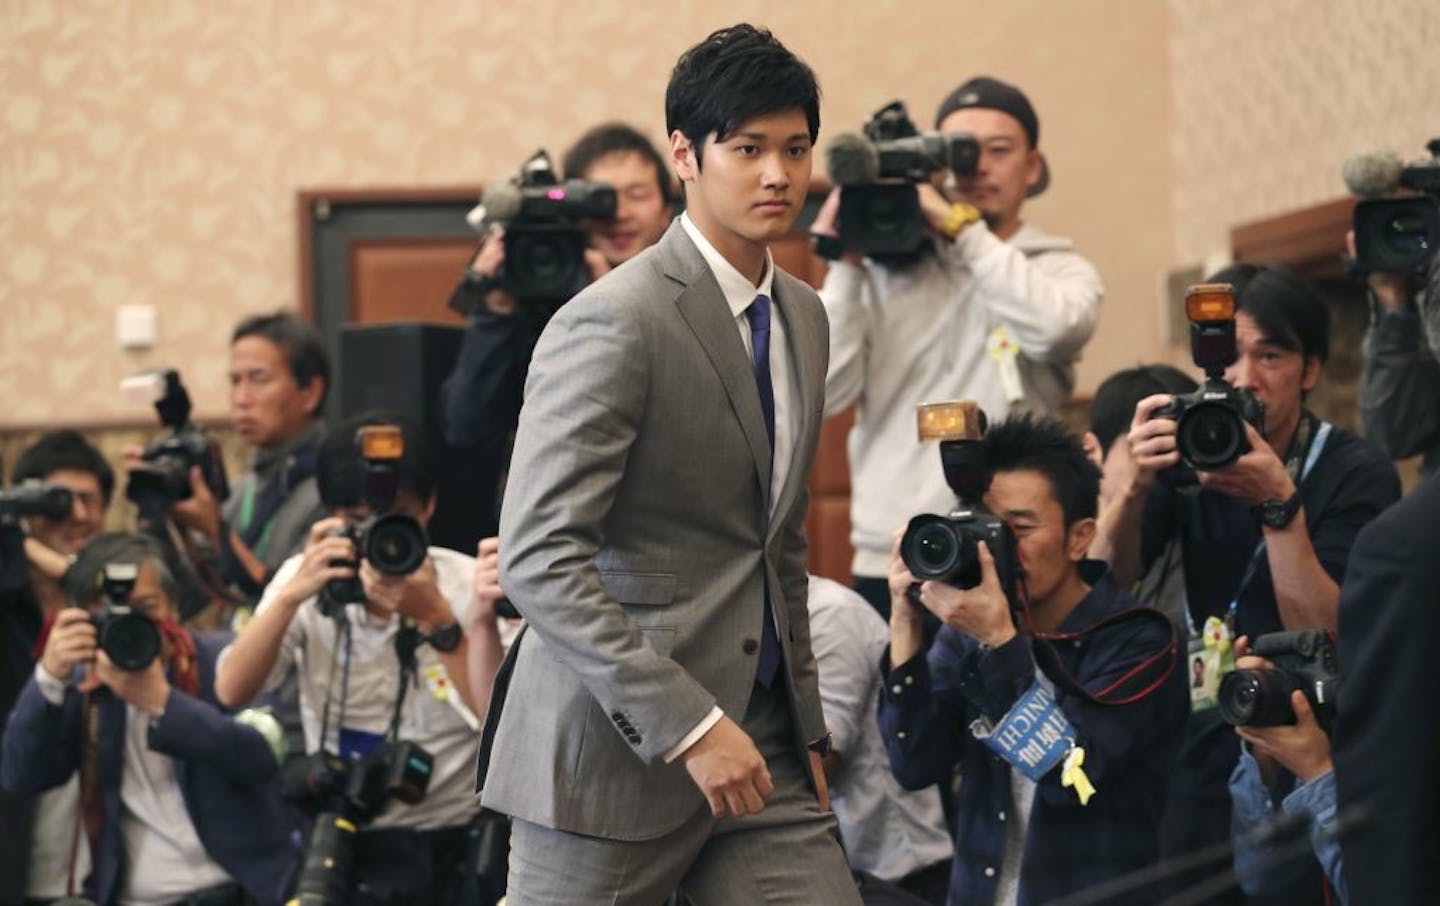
(1272, 96)
(150, 151)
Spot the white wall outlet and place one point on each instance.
(135, 326)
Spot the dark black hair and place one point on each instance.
(1286, 306)
(299, 341)
(340, 469)
(59, 450)
(1113, 408)
(734, 75)
(81, 582)
(1043, 444)
(615, 138)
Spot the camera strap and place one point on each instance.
(1131, 686)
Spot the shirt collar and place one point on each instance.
(739, 291)
(1098, 603)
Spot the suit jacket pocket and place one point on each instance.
(639, 588)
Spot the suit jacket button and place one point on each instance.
(749, 646)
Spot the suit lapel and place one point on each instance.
(703, 306)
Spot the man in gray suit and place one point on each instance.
(652, 535)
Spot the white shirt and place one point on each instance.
(888, 831)
(53, 837)
(164, 858)
(433, 715)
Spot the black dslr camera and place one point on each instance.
(127, 636)
(34, 498)
(545, 239)
(342, 796)
(879, 211)
(1303, 660)
(1210, 423)
(164, 477)
(1402, 234)
(946, 548)
(393, 542)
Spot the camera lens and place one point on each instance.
(396, 544)
(1211, 436)
(1257, 698)
(937, 548)
(131, 641)
(545, 263)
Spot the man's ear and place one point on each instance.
(1311, 375)
(311, 394)
(1091, 445)
(682, 157)
(1079, 538)
(1034, 166)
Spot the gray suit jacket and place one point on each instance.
(636, 541)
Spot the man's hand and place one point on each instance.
(416, 596)
(827, 223)
(1391, 288)
(822, 783)
(71, 643)
(1152, 442)
(1257, 476)
(1303, 749)
(935, 207)
(729, 770)
(146, 689)
(906, 620)
(327, 556)
(45, 560)
(201, 512)
(982, 612)
(488, 592)
(487, 263)
(597, 265)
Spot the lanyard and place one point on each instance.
(247, 515)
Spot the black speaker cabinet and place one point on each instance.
(400, 367)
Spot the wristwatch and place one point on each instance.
(445, 639)
(1277, 514)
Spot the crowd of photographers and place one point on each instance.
(276, 686)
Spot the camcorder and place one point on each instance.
(545, 238)
(880, 212)
(1401, 234)
(343, 796)
(394, 543)
(163, 479)
(947, 548)
(1304, 660)
(127, 636)
(1210, 422)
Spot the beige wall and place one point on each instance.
(150, 152)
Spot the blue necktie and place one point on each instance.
(758, 314)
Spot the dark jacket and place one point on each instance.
(227, 773)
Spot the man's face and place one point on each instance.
(149, 596)
(1277, 376)
(69, 534)
(641, 214)
(1025, 499)
(267, 406)
(1007, 168)
(751, 186)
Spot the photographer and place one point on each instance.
(180, 804)
(1400, 377)
(36, 831)
(481, 398)
(1101, 700)
(1265, 539)
(994, 310)
(362, 680)
(1308, 791)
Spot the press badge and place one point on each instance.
(1034, 735)
(1212, 655)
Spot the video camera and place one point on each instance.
(946, 548)
(126, 635)
(342, 796)
(545, 239)
(1402, 234)
(1210, 422)
(164, 478)
(1304, 660)
(879, 210)
(393, 542)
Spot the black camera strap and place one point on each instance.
(407, 641)
(1148, 675)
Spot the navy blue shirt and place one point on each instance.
(929, 703)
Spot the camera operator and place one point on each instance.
(1266, 539)
(1101, 700)
(37, 831)
(361, 678)
(279, 374)
(998, 313)
(179, 802)
(1308, 792)
(481, 398)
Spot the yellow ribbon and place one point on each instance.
(1073, 775)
